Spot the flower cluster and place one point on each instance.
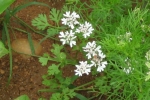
(129, 69)
(95, 55)
(70, 20)
(123, 39)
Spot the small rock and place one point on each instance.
(2, 71)
(22, 46)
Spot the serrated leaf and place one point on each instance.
(40, 22)
(67, 81)
(55, 15)
(57, 49)
(52, 83)
(52, 31)
(56, 96)
(62, 56)
(59, 56)
(43, 60)
(3, 50)
(68, 92)
(53, 69)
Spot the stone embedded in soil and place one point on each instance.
(22, 46)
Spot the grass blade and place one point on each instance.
(10, 53)
(31, 44)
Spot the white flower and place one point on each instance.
(86, 29)
(91, 49)
(70, 19)
(101, 66)
(128, 70)
(148, 55)
(83, 68)
(97, 61)
(68, 38)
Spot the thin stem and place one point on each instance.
(10, 53)
(84, 85)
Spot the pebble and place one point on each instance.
(22, 46)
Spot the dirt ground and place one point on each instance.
(27, 73)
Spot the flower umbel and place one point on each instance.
(83, 68)
(86, 29)
(70, 19)
(68, 38)
(92, 50)
(95, 55)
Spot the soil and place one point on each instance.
(27, 73)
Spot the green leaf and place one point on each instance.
(52, 83)
(56, 96)
(53, 69)
(57, 49)
(59, 56)
(62, 56)
(52, 31)
(68, 92)
(43, 60)
(40, 22)
(67, 81)
(23, 97)
(4, 4)
(3, 50)
(55, 15)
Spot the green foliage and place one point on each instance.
(43, 60)
(53, 69)
(55, 15)
(3, 50)
(4, 4)
(40, 22)
(65, 95)
(59, 56)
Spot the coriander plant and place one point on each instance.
(111, 37)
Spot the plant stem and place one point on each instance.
(10, 53)
(84, 85)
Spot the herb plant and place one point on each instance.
(111, 37)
